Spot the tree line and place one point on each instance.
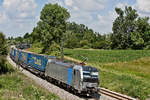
(3, 54)
(129, 31)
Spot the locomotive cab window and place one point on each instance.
(90, 74)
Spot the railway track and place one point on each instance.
(105, 93)
(115, 95)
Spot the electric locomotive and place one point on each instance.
(77, 77)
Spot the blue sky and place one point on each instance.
(20, 16)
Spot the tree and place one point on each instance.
(52, 25)
(3, 53)
(3, 44)
(27, 35)
(71, 40)
(27, 38)
(19, 39)
(141, 37)
(123, 26)
(81, 34)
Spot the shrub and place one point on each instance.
(85, 47)
(3, 44)
(53, 50)
(147, 47)
(84, 43)
(99, 45)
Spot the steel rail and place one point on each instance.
(115, 94)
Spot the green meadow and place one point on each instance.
(16, 86)
(123, 71)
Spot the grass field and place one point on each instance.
(15, 86)
(107, 56)
(124, 71)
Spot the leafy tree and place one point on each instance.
(143, 28)
(82, 35)
(89, 35)
(123, 26)
(71, 40)
(84, 43)
(19, 39)
(3, 53)
(3, 44)
(129, 31)
(141, 37)
(138, 41)
(27, 38)
(51, 26)
(27, 35)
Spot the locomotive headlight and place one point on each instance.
(94, 73)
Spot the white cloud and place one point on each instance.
(10, 3)
(60, 2)
(68, 2)
(22, 14)
(112, 14)
(18, 16)
(81, 17)
(19, 8)
(75, 8)
(143, 5)
(90, 5)
(101, 19)
(104, 23)
(121, 5)
(3, 18)
(85, 12)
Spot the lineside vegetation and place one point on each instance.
(123, 71)
(14, 85)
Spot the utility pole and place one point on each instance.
(62, 49)
(62, 43)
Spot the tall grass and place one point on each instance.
(15, 86)
(4, 66)
(124, 71)
(107, 56)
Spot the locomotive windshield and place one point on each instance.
(90, 74)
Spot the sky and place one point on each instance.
(18, 17)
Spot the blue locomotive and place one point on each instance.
(80, 79)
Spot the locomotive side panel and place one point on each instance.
(69, 78)
(59, 72)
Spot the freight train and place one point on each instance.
(80, 79)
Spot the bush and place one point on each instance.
(3, 44)
(4, 68)
(84, 43)
(85, 47)
(36, 45)
(53, 50)
(147, 47)
(99, 45)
